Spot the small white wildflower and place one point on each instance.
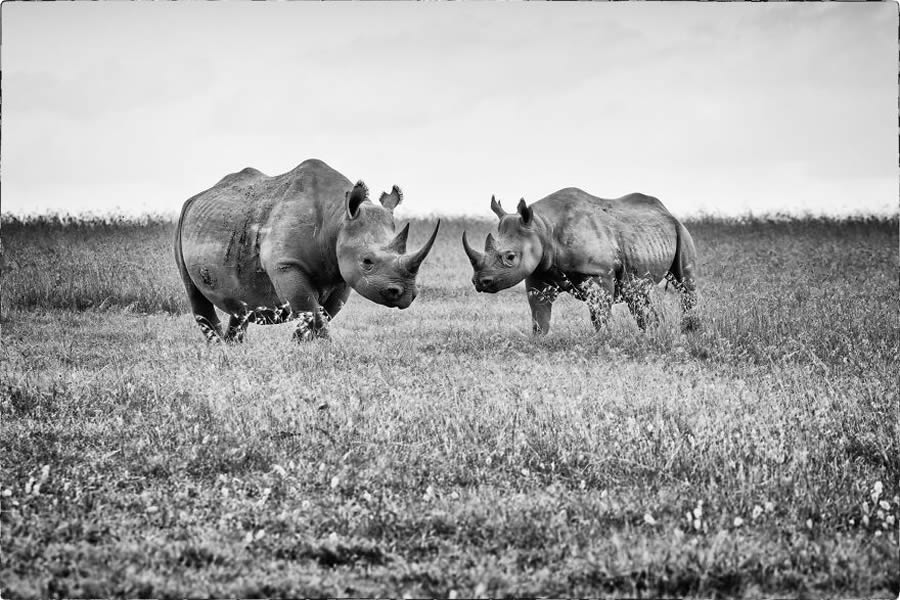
(248, 538)
(152, 509)
(429, 493)
(698, 512)
(259, 534)
(648, 519)
(865, 520)
(809, 523)
(280, 470)
(697, 524)
(305, 505)
(335, 481)
(7, 493)
(525, 472)
(877, 489)
(757, 510)
(880, 514)
(738, 521)
(769, 506)
(333, 537)
(885, 505)
(889, 519)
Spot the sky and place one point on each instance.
(715, 108)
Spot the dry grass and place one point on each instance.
(441, 450)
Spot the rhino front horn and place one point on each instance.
(475, 257)
(413, 261)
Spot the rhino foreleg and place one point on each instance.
(311, 325)
(301, 297)
(540, 298)
(636, 293)
(597, 293)
(335, 302)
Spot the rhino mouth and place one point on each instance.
(483, 286)
(400, 303)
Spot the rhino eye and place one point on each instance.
(510, 257)
(367, 263)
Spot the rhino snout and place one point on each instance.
(392, 293)
(483, 283)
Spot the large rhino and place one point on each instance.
(270, 249)
(600, 251)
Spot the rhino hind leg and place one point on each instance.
(690, 321)
(205, 316)
(211, 329)
(636, 293)
(237, 327)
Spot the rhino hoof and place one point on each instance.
(690, 323)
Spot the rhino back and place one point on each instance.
(634, 233)
(246, 224)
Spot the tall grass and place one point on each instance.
(816, 290)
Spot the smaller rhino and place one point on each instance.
(600, 251)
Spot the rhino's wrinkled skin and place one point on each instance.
(600, 251)
(270, 249)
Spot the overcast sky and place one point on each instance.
(712, 107)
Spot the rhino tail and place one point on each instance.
(682, 273)
(204, 310)
(682, 269)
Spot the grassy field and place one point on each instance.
(442, 451)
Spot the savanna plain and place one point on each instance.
(443, 451)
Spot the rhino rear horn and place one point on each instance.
(489, 244)
(398, 244)
(498, 210)
(390, 201)
(413, 261)
(355, 197)
(475, 257)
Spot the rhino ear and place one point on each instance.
(390, 201)
(355, 197)
(498, 210)
(525, 212)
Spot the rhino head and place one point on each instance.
(510, 258)
(372, 255)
